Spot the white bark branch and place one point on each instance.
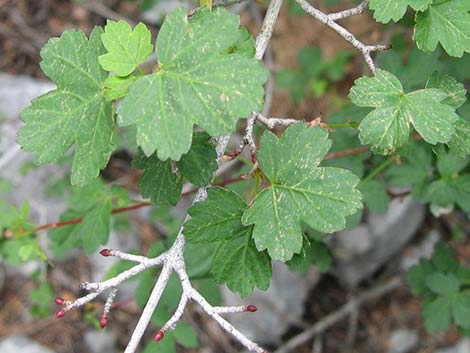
(365, 50)
(271, 123)
(349, 12)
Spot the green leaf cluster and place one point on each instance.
(270, 227)
(199, 80)
(162, 181)
(93, 203)
(443, 285)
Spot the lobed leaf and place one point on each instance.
(127, 48)
(236, 261)
(299, 191)
(198, 82)
(388, 126)
(447, 23)
(386, 10)
(76, 112)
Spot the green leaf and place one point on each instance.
(443, 284)
(449, 164)
(445, 22)
(386, 10)
(158, 182)
(185, 335)
(236, 261)
(456, 92)
(375, 196)
(299, 191)
(388, 126)
(196, 83)
(321, 254)
(461, 310)
(127, 48)
(417, 275)
(437, 314)
(116, 87)
(443, 258)
(162, 181)
(94, 230)
(200, 163)
(76, 112)
(460, 143)
(301, 262)
(93, 203)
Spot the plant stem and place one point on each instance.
(125, 209)
(380, 168)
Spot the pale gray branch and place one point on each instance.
(349, 12)
(365, 50)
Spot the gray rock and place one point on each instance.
(100, 341)
(279, 307)
(23, 344)
(403, 341)
(17, 91)
(361, 251)
(462, 347)
(422, 250)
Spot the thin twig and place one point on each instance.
(349, 12)
(365, 50)
(340, 314)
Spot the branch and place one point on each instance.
(350, 12)
(365, 50)
(126, 209)
(339, 314)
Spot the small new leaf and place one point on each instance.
(445, 22)
(76, 112)
(386, 10)
(236, 261)
(299, 191)
(388, 126)
(126, 48)
(198, 82)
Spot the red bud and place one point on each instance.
(60, 314)
(159, 336)
(254, 159)
(59, 301)
(103, 321)
(105, 252)
(251, 308)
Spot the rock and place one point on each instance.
(403, 341)
(361, 251)
(422, 250)
(100, 341)
(279, 307)
(23, 344)
(462, 347)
